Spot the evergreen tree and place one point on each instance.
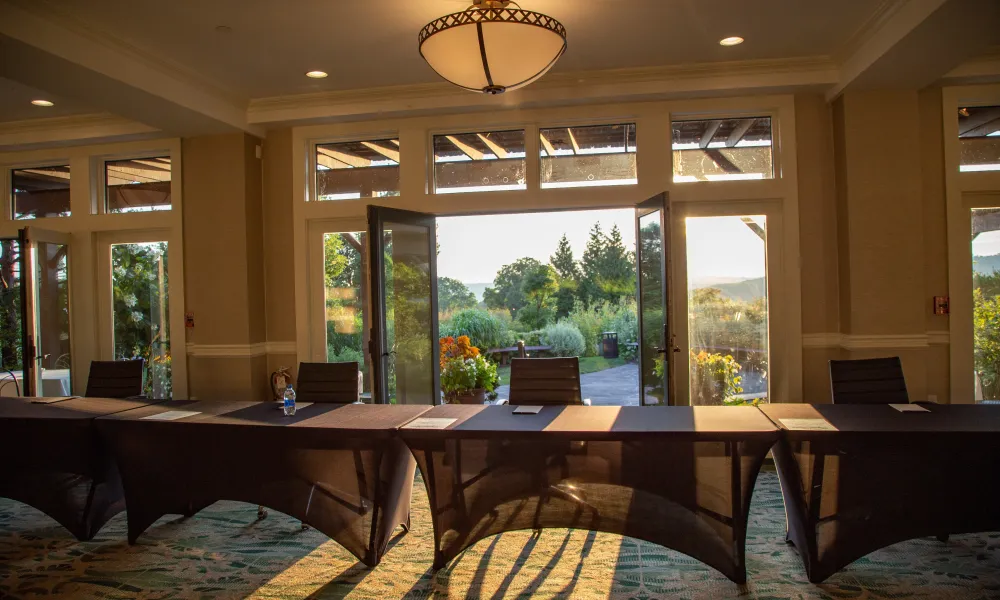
(589, 290)
(617, 270)
(568, 277)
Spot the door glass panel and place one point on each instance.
(52, 339)
(140, 294)
(409, 318)
(727, 309)
(10, 314)
(654, 369)
(346, 298)
(986, 301)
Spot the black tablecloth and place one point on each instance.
(680, 477)
(338, 468)
(883, 476)
(54, 461)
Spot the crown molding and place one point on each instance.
(71, 130)
(648, 83)
(868, 29)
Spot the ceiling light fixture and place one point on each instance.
(494, 46)
(316, 74)
(731, 41)
(41, 103)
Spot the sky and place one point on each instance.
(474, 248)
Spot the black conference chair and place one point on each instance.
(330, 383)
(333, 383)
(868, 381)
(115, 379)
(545, 381)
(550, 382)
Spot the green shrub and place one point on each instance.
(565, 339)
(345, 355)
(485, 329)
(619, 317)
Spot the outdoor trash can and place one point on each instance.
(609, 344)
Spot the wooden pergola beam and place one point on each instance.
(465, 148)
(497, 150)
(547, 144)
(572, 140)
(710, 130)
(330, 163)
(153, 163)
(347, 159)
(754, 227)
(137, 173)
(741, 130)
(389, 153)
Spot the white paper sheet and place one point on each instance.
(909, 408)
(527, 410)
(51, 400)
(171, 415)
(808, 424)
(429, 423)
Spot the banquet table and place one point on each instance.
(856, 478)
(55, 383)
(55, 461)
(681, 477)
(338, 468)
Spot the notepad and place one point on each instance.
(909, 408)
(808, 424)
(527, 410)
(51, 400)
(429, 423)
(171, 415)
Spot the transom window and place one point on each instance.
(349, 170)
(722, 149)
(479, 162)
(979, 134)
(596, 155)
(137, 184)
(40, 192)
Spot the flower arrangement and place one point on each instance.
(466, 375)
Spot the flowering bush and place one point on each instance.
(464, 369)
(715, 379)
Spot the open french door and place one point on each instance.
(656, 346)
(45, 309)
(404, 332)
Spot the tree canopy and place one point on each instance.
(507, 289)
(454, 295)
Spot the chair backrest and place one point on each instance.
(545, 381)
(334, 383)
(115, 378)
(868, 381)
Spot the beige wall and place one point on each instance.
(224, 268)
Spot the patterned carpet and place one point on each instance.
(223, 552)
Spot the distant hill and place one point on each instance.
(747, 290)
(984, 265)
(478, 288)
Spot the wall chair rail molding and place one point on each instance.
(240, 350)
(868, 342)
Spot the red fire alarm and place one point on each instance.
(941, 305)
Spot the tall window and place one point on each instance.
(140, 294)
(979, 134)
(727, 309)
(479, 162)
(137, 185)
(350, 170)
(722, 149)
(597, 155)
(40, 192)
(986, 301)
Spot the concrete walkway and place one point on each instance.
(618, 386)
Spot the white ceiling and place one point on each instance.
(15, 103)
(373, 43)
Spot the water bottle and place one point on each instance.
(289, 405)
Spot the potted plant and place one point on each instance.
(466, 376)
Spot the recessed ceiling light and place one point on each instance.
(41, 103)
(316, 74)
(731, 41)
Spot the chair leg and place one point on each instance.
(261, 513)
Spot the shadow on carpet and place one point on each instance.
(224, 552)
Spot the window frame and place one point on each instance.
(430, 184)
(99, 168)
(8, 182)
